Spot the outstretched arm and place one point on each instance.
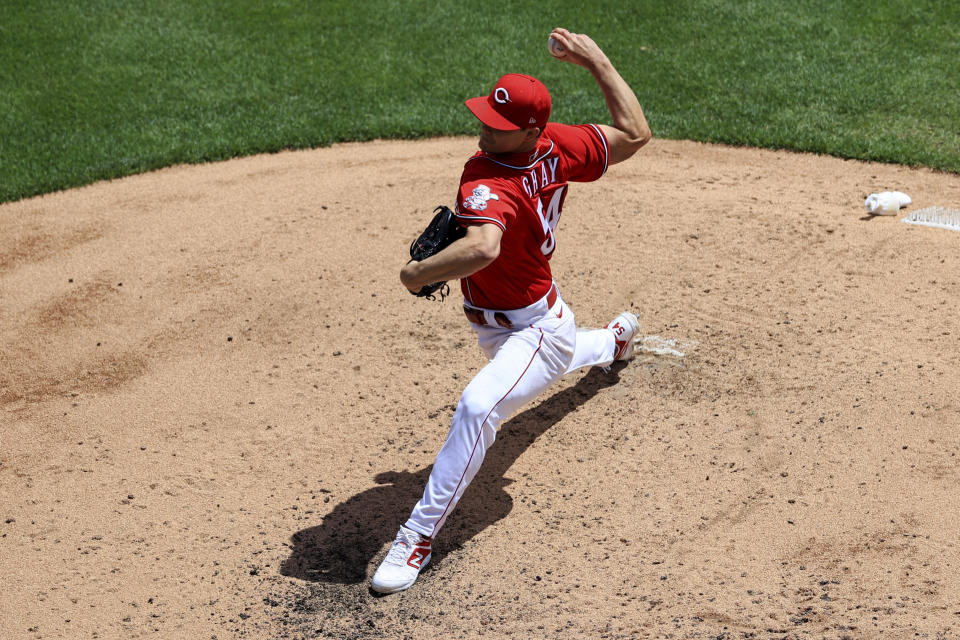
(630, 130)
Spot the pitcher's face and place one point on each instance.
(516, 141)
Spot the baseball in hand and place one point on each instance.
(556, 49)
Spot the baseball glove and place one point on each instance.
(442, 231)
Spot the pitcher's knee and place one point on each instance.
(472, 410)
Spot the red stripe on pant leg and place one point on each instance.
(480, 433)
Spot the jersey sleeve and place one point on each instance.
(585, 150)
(484, 201)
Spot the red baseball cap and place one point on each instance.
(516, 102)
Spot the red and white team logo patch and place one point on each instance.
(478, 201)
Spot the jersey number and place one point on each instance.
(549, 219)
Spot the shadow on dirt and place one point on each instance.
(340, 548)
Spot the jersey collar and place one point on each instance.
(520, 161)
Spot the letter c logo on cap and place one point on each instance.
(501, 95)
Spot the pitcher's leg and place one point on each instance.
(527, 363)
(601, 347)
(472, 431)
(595, 348)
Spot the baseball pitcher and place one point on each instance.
(509, 203)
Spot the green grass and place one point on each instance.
(94, 89)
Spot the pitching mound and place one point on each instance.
(218, 404)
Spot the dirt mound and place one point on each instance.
(218, 404)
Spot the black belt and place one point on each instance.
(476, 316)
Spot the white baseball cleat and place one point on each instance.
(624, 328)
(399, 570)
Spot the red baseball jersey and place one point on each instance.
(523, 194)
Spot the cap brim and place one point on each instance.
(486, 114)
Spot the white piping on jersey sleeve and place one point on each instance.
(481, 219)
(606, 148)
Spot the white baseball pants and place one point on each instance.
(523, 363)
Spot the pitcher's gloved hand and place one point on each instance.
(442, 231)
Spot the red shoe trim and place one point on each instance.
(420, 552)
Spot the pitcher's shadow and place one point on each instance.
(341, 547)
